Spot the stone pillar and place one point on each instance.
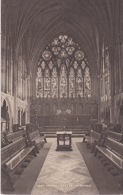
(111, 57)
(27, 114)
(15, 83)
(75, 88)
(99, 82)
(99, 99)
(121, 66)
(33, 82)
(59, 84)
(68, 95)
(20, 117)
(3, 62)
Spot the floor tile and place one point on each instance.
(64, 172)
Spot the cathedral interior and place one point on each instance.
(62, 97)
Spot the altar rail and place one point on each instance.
(75, 130)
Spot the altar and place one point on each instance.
(64, 140)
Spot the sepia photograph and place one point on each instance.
(62, 97)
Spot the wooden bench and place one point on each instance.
(12, 157)
(15, 161)
(37, 138)
(92, 139)
(114, 135)
(11, 150)
(113, 151)
(14, 136)
(4, 140)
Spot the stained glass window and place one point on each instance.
(46, 55)
(107, 74)
(87, 83)
(39, 83)
(47, 84)
(43, 65)
(63, 82)
(68, 66)
(72, 83)
(79, 83)
(54, 83)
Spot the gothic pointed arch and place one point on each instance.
(63, 70)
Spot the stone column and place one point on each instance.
(68, 95)
(121, 66)
(59, 84)
(111, 58)
(15, 83)
(3, 62)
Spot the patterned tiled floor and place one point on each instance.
(64, 172)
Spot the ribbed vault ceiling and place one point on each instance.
(39, 21)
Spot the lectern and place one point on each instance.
(64, 141)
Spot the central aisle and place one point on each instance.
(64, 172)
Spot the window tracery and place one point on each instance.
(54, 83)
(47, 84)
(63, 82)
(39, 83)
(79, 82)
(87, 83)
(107, 74)
(63, 69)
(72, 83)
